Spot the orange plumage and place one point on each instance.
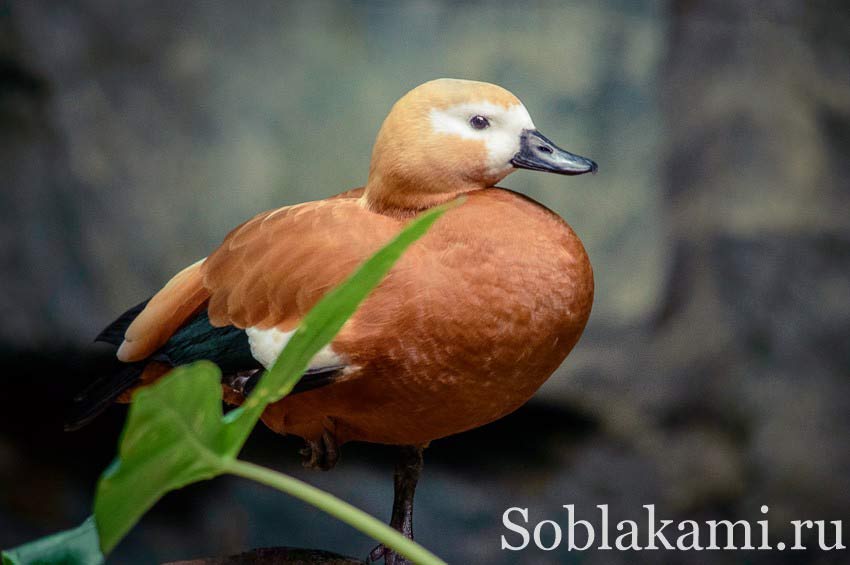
(457, 335)
(463, 330)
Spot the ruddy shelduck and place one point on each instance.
(464, 329)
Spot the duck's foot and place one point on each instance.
(376, 554)
(322, 454)
(407, 470)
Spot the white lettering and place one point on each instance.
(506, 521)
(653, 533)
(798, 532)
(604, 538)
(693, 535)
(537, 538)
(730, 537)
(632, 534)
(822, 536)
(571, 530)
(764, 527)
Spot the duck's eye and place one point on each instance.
(479, 122)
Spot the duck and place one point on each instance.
(464, 329)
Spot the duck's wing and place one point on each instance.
(239, 306)
(149, 328)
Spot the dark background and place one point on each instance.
(714, 375)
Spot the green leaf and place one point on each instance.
(79, 546)
(172, 438)
(175, 433)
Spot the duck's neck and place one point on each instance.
(390, 197)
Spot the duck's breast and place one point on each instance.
(471, 321)
(515, 281)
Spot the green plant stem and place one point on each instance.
(337, 508)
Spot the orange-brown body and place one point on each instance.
(464, 329)
(466, 326)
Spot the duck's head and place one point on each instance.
(450, 136)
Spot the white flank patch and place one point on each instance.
(501, 138)
(266, 346)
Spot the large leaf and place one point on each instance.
(172, 438)
(175, 433)
(79, 546)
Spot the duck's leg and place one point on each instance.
(407, 470)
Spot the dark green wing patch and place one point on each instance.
(226, 346)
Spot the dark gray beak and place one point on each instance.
(537, 153)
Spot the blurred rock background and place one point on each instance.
(714, 375)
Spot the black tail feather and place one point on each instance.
(100, 395)
(102, 392)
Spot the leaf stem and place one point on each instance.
(337, 508)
